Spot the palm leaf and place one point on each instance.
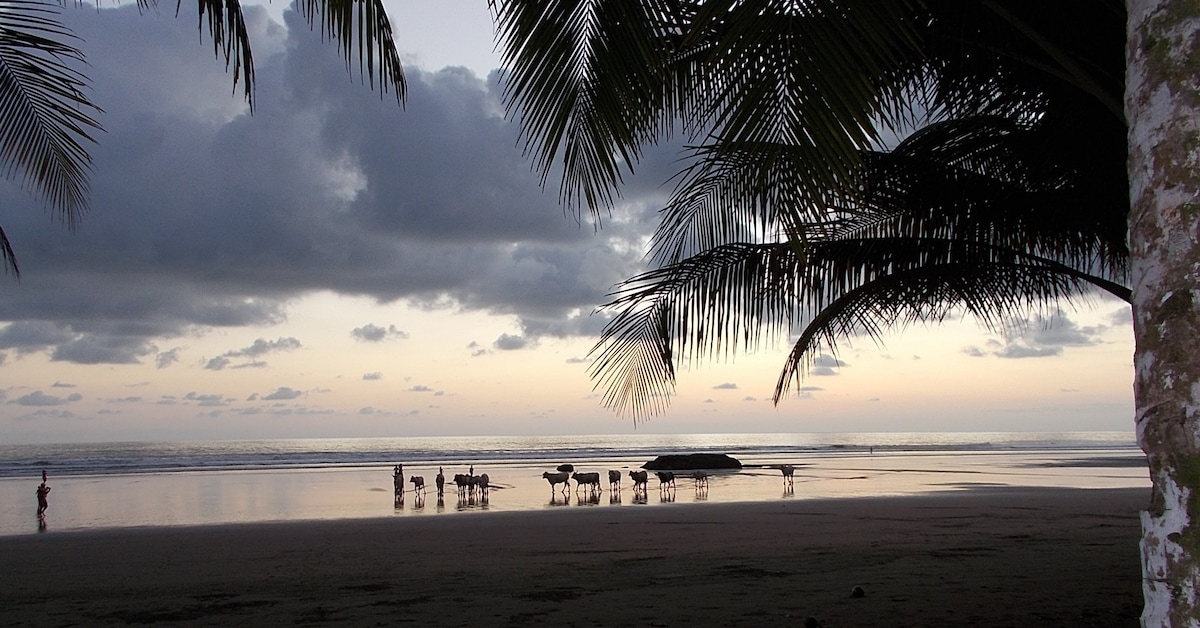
(8, 255)
(44, 117)
(227, 27)
(588, 81)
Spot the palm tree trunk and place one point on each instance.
(1162, 103)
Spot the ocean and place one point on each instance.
(104, 485)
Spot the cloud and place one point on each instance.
(283, 393)
(207, 400)
(974, 351)
(47, 414)
(419, 388)
(167, 358)
(258, 348)
(825, 365)
(1039, 338)
(726, 386)
(507, 342)
(327, 187)
(375, 333)
(39, 398)
(372, 377)
(1019, 350)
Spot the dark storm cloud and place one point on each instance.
(203, 216)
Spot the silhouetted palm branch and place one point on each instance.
(962, 216)
(44, 112)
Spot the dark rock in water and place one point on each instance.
(857, 592)
(682, 462)
(811, 622)
(566, 468)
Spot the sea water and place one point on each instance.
(104, 485)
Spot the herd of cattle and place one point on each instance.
(469, 484)
(666, 479)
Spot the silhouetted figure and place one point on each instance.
(43, 490)
(441, 482)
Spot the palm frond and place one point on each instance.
(993, 293)
(802, 75)
(742, 295)
(708, 304)
(227, 27)
(44, 110)
(588, 81)
(8, 255)
(636, 368)
(363, 31)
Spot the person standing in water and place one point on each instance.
(42, 492)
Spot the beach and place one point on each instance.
(982, 556)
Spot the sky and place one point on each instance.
(337, 266)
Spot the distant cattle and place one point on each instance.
(639, 479)
(481, 483)
(463, 482)
(555, 479)
(666, 479)
(591, 480)
(614, 479)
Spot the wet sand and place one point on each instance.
(980, 557)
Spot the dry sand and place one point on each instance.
(985, 557)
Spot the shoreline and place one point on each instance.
(223, 497)
(986, 556)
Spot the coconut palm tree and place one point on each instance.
(1164, 253)
(47, 118)
(784, 99)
